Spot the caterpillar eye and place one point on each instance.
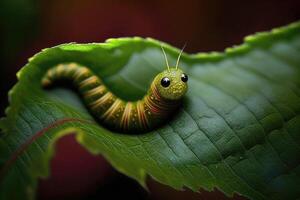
(184, 77)
(165, 82)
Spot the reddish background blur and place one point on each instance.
(27, 26)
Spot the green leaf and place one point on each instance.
(237, 131)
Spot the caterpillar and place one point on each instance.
(161, 101)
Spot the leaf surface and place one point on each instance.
(238, 129)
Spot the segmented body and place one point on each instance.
(110, 110)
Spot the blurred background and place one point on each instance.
(27, 26)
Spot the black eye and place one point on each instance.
(184, 77)
(165, 82)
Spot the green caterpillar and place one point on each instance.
(161, 100)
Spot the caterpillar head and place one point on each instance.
(172, 82)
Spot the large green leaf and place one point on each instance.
(238, 130)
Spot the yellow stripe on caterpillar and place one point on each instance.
(101, 100)
(90, 80)
(99, 90)
(110, 112)
(60, 69)
(81, 72)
